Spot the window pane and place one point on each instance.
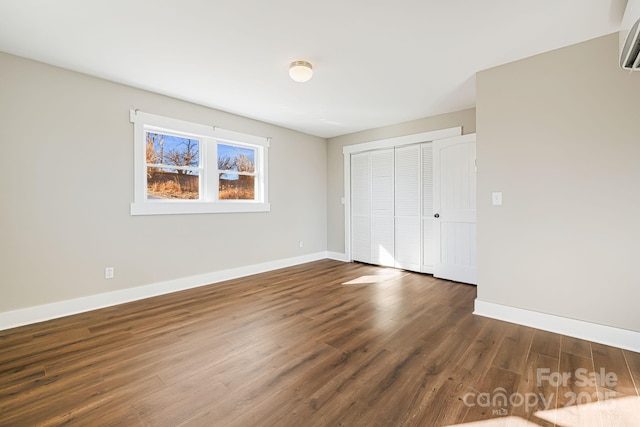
(234, 158)
(236, 187)
(164, 183)
(172, 150)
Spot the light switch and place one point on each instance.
(496, 198)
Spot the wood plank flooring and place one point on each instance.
(320, 344)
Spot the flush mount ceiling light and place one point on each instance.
(300, 71)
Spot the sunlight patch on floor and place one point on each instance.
(612, 412)
(383, 276)
(500, 422)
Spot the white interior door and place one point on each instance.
(454, 207)
(428, 257)
(407, 207)
(360, 207)
(382, 225)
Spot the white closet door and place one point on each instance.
(428, 259)
(407, 207)
(360, 208)
(454, 194)
(382, 223)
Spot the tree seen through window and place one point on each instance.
(237, 170)
(172, 167)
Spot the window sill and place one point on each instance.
(179, 208)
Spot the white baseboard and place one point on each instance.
(29, 315)
(337, 256)
(609, 335)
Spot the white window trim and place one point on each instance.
(213, 135)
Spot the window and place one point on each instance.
(183, 167)
(237, 172)
(173, 166)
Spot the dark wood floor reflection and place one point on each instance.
(320, 344)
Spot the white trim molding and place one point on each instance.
(337, 256)
(608, 335)
(399, 141)
(41, 313)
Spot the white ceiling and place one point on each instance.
(376, 62)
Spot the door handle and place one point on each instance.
(437, 215)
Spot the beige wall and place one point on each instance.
(335, 165)
(559, 135)
(66, 182)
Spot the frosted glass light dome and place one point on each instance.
(300, 71)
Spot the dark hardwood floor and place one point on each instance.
(320, 344)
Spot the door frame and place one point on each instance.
(375, 145)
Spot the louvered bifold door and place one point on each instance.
(382, 223)
(427, 209)
(407, 207)
(360, 208)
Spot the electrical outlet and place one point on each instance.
(109, 272)
(300, 244)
